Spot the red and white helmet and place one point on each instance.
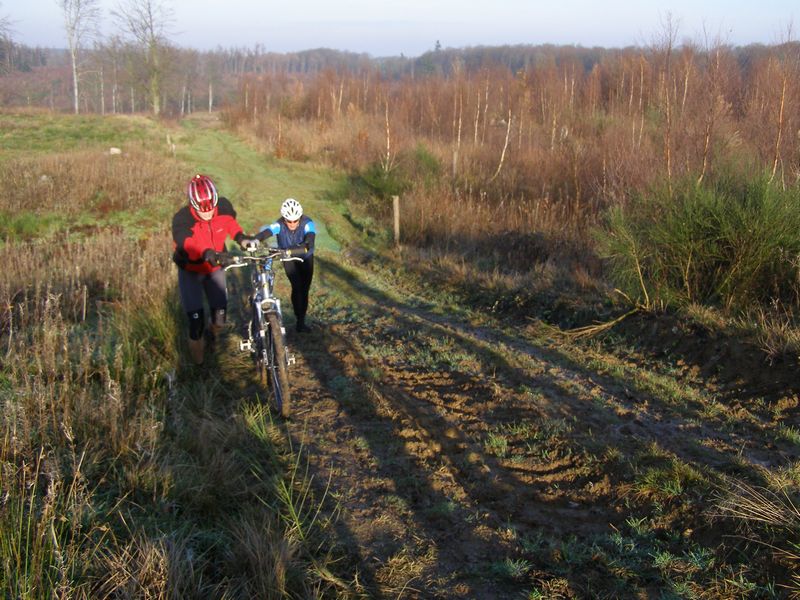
(291, 209)
(202, 193)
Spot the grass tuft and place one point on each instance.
(732, 245)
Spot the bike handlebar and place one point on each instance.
(234, 261)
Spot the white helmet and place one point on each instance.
(291, 209)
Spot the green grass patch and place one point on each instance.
(27, 225)
(511, 568)
(25, 133)
(670, 481)
(789, 433)
(496, 444)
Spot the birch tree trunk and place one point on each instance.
(779, 133)
(80, 21)
(457, 145)
(102, 92)
(505, 147)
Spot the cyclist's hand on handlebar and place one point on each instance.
(249, 243)
(226, 260)
(293, 253)
(219, 259)
(211, 257)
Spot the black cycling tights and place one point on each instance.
(196, 324)
(193, 286)
(300, 275)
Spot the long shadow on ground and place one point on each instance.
(597, 397)
(426, 454)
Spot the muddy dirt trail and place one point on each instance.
(458, 453)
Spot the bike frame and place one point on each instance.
(263, 300)
(266, 335)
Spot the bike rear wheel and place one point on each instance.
(278, 365)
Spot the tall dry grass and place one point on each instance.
(89, 180)
(766, 516)
(82, 396)
(123, 472)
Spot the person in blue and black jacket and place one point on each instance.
(295, 233)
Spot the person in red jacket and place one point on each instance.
(199, 231)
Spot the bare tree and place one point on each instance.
(147, 22)
(665, 45)
(213, 70)
(505, 147)
(5, 40)
(80, 22)
(787, 63)
(5, 26)
(716, 106)
(112, 54)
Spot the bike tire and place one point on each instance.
(258, 349)
(278, 365)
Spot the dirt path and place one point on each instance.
(459, 455)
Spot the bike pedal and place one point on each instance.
(245, 346)
(290, 360)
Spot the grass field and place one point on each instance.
(438, 449)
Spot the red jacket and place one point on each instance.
(191, 235)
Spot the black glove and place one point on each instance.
(211, 257)
(248, 243)
(296, 251)
(226, 260)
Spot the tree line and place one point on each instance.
(598, 124)
(139, 69)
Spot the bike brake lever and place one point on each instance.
(233, 262)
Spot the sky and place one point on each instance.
(412, 27)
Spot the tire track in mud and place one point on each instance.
(423, 507)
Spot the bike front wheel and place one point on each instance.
(258, 347)
(278, 365)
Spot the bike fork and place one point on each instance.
(290, 360)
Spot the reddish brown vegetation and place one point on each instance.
(545, 148)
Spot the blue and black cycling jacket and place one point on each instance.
(300, 241)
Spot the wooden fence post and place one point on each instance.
(396, 206)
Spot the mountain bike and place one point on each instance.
(266, 336)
